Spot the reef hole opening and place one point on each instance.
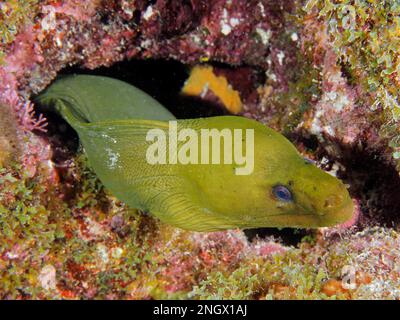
(161, 79)
(375, 184)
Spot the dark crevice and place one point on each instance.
(372, 180)
(287, 236)
(163, 80)
(375, 183)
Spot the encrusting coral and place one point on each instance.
(327, 77)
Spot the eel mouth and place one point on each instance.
(353, 220)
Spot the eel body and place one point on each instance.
(118, 123)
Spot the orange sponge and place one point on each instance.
(202, 79)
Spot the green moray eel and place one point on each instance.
(113, 119)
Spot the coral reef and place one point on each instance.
(325, 73)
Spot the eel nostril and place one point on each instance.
(332, 201)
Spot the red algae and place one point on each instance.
(64, 236)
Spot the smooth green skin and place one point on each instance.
(112, 119)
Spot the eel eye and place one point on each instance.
(282, 193)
